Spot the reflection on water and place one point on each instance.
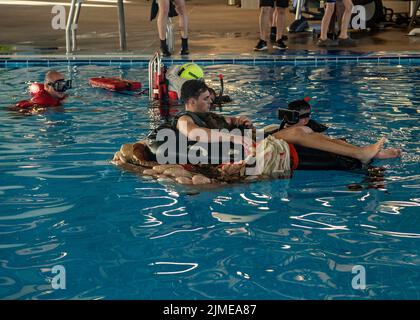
(123, 236)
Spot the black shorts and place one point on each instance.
(270, 3)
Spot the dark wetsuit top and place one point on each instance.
(208, 120)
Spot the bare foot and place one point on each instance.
(388, 153)
(371, 150)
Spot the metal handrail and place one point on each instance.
(73, 20)
(70, 25)
(155, 69)
(75, 25)
(170, 36)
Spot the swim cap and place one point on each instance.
(191, 71)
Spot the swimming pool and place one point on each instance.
(121, 236)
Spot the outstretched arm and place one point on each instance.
(188, 128)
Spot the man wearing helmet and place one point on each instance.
(178, 75)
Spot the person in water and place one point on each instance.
(50, 94)
(307, 125)
(177, 75)
(197, 99)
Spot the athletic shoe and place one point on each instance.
(348, 42)
(261, 45)
(273, 37)
(327, 43)
(184, 52)
(279, 45)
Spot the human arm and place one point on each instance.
(241, 121)
(189, 129)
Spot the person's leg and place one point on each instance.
(321, 142)
(281, 25)
(348, 7)
(325, 23)
(281, 22)
(281, 7)
(265, 18)
(181, 9)
(266, 13)
(162, 22)
(162, 19)
(273, 30)
(382, 154)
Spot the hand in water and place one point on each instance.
(243, 121)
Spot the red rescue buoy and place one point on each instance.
(115, 84)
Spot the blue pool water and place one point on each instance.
(121, 236)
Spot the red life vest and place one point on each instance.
(160, 88)
(40, 97)
(115, 84)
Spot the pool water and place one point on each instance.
(121, 236)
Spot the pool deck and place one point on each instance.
(217, 31)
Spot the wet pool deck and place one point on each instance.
(216, 30)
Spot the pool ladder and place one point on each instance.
(73, 19)
(155, 71)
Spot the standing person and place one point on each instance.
(281, 20)
(343, 38)
(162, 23)
(267, 20)
(324, 41)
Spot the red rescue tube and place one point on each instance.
(115, 84)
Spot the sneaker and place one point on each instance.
(348, 42)
(327, 43)
(273, 37)
(261, 45)
(279, 45)
(184, 52)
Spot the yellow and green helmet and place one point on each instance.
(191, 71)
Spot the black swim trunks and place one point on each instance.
(270, 3)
